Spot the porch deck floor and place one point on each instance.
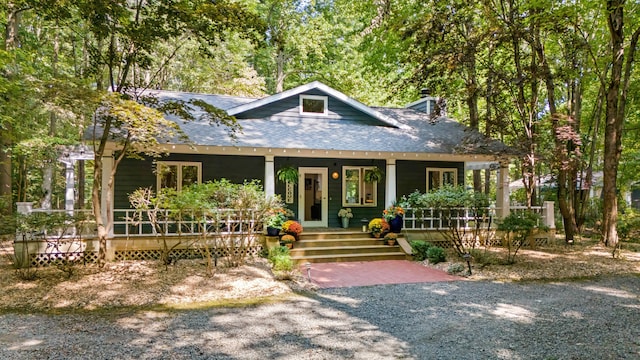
(367, 273)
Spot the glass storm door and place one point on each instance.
(313, 206)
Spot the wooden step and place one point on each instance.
(342, 250)
(348, 257)
(337, 245)
(321, 235)
(337, 242)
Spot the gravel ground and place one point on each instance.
(588, 319)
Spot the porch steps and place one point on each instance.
(342, 246)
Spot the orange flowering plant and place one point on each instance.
(392, 211)
(292, 227)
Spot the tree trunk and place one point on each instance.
(49, 169)
(613, 124)
(6, 130)
(280, 75)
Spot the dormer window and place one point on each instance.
(313, 105)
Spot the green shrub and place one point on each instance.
(436, 255)
(280, 259)
(629, 225)
(484, 258)
(455, 268)
(419, 249)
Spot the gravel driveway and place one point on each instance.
(594, 319)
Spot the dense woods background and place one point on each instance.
(556, 80)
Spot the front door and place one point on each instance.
(313, 207)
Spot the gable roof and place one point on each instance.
(413, 131)
(316, 85)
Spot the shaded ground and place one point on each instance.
(589, 319)
(148, 283)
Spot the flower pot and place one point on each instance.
(345, 222)
(391, 242)
(271, 231)
(289, 245)
(395, 224)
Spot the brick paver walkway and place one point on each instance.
(365, 273)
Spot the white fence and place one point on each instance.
(464, 218)
(131, 222)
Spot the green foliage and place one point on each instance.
(456, 268)
(517, 227)
(234, 213)
(419, 249)
(373, 175)
(484, 258)
(450, 203)
(288, 174)
(520, 223)
(280, 259)
(7, 218)
(447, 197)
(436, 255)
(629, 225)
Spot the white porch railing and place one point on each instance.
(131, 222)
(463, 218)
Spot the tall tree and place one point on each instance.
(622, 50)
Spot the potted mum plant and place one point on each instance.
(288, 240)
(377, 227)
(391, 238)
(292, 227)
(345, 215)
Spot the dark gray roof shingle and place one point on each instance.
(443, 136)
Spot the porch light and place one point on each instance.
(335, 175)
(365, 224)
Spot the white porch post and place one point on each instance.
(107, 167)
(548, 215)
(269, 176)
(390, 189)
(502, 193)
(69, 194)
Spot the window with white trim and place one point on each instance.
(177, 174)
(356, 191)
(313, 105)
(437, 177)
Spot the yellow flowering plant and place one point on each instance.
(377, 226)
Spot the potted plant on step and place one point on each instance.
(345, 215)
(275, 220)
(292, 227)
(377, 227)
(391, 238)
(288, 240)
(394, 216)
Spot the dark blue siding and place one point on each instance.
(412, 175)
(290, 108)
(134, 174)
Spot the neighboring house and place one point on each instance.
(333, 141)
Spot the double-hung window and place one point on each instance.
(356, 191)
(438, 177)
(178, 174)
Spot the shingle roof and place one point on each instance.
(417, 135)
